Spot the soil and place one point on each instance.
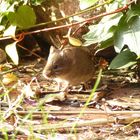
(113, 115)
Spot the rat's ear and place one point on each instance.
(53, 49)
(68, 54)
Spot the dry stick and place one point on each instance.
(63, 125)
(32, 52)
(24, 129)
(77, 112)
(92, 123)
(64, 26)
(79, 13)
(75, 14)
(76, 23)
(27, 132)
(67, 126)
(15, 69)
(72, 24)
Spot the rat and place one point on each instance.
(72, 65)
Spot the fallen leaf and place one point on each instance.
(27, 90)
(9, 78)
(75, 42)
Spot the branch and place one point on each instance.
(71, 24)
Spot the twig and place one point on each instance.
(77, 112)
(63, 125)
(75, 14)
(92, 123)
(15, 69)
(71, 24)
(26, 132)
(31, 52)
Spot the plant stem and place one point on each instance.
(88, 100)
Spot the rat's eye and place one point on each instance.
(55, 67)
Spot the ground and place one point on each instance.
(33, 108)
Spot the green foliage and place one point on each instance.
(21, 19)
(16, 14)
(10, 31)
(123, 60)
(119, 29)
(87, 3)
(134, 11)
(11, 50)
(128, 31)
(128, 34)
(103, 30)
(36, 2)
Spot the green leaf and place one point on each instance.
(10, 31)
(134, 11)
(74, 41)
(1, 28)
(87, 3)
(12, 18)
(37, 2)
(4, 6)
(128, 34)
(11, 50)
(107, 43)
(123, 60)
(112, 7)
(25, 16)
(102, 31)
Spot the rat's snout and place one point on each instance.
(47, 73)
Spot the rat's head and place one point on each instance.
(58, 63)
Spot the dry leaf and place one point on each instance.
(11, 50)
(52, 107)
(9, 78)
(55, 97)
(75, 42)
(27, 90)
(2, 56)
